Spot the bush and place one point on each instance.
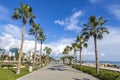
(103, 74)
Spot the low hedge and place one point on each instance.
(103, 74)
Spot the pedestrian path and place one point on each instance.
(57, 72)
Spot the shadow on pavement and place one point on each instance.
(81, 79)
(76, 79)
(51, 68)
(58, 67)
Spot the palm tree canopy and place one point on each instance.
(81, 41)
(41, 36)
(67, 49)
(74, 45)
(24, 12)
(31, 21)
(34, 29)
(48, 50)
(95, 28)
(70, 57)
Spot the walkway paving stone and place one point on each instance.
(57, 72)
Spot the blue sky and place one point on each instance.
(62, 20)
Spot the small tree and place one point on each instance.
(48, 51)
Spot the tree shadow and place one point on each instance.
(58, 66)
(86, 79)
(51, 68)
(12, 70)
(62, 69)
(81, 79)
(57, 69)
(76, 79)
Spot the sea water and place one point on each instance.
(117, 63)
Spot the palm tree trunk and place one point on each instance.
(80, 58)
(74, 57)
(70, 61)
(34, 59)
(21, 49)
(64, 60)
(96, 55)
(40, 53)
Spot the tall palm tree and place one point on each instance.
(23, 13)
(34, 31)
(96, 29)
(74, 46)
(48, 51)
(81, 42)
(41, 38)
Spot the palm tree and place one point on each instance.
(23, 13)
(69, 48)
(63, 58)
(66, 51)
(74, 46)
(70, 59)
(41, 38)
(48, 51)
(34, 31)
(96, 29)
(43, 58)
(81, 42)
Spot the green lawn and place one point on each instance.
(7, 74)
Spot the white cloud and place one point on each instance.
(71, 23)
(9, 38)
(3, 9)
(10, 29)
(59, 46)
(87, 53)
(60, 22)
(8, 41)
(107, 47)
(115, 10)
(3, 13)
(95, 1)
(102, 54)
(13, 30)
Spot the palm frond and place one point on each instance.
(99, 36)
(31, 21)
(16, 16)
(17, 10)
(105, 30)
(104, 22)
(85, 45)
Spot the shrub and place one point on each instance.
(103, 74)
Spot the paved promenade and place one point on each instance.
(57, 72)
